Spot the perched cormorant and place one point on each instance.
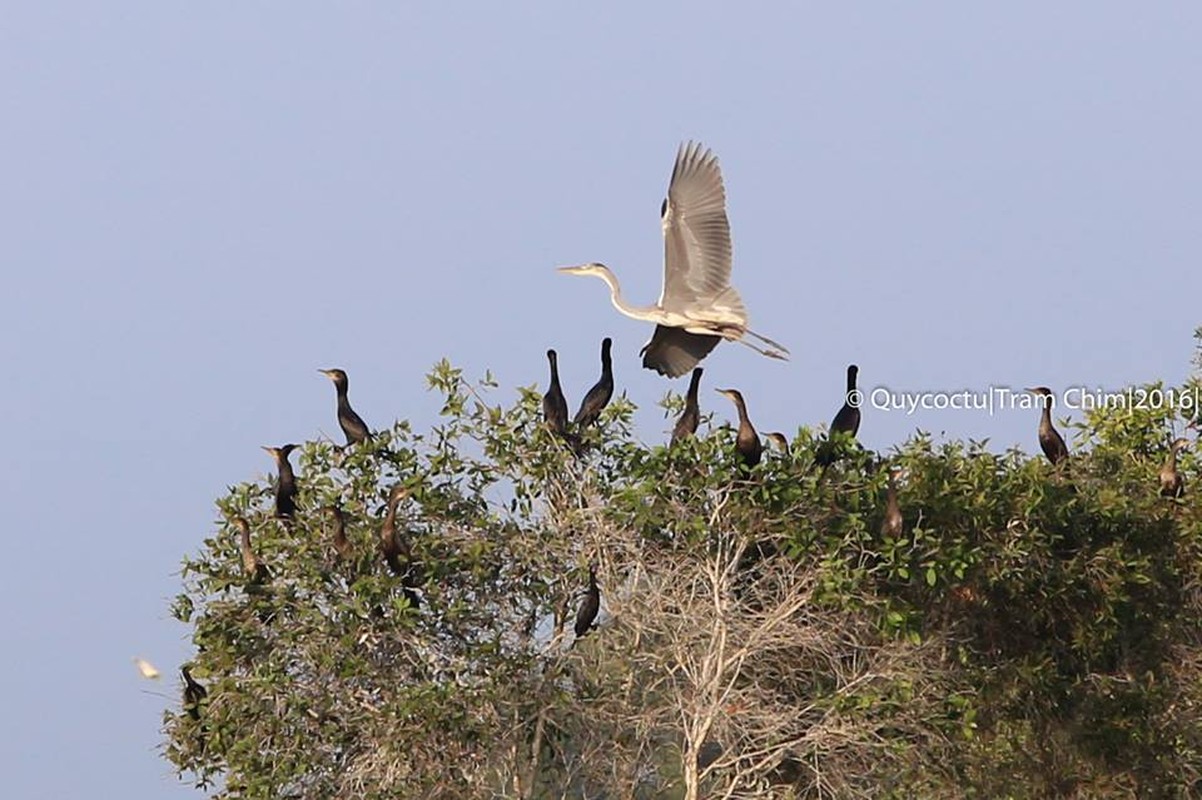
(778, 439)
(352, 424)
(598, 396)
(686, 424)
(555, 407)
(390, 545)
(395, 548)
(194, 693)
(1172, 484)
(285, 488)
(846, 421)
(255, 570)
(1049, 438)
(747, 442)
(892, 524)
(587, 613)
(342, 545)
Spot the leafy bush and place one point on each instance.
(1034, 631)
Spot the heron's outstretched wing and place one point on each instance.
(697, 252)
(675, 351)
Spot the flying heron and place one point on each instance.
(697, 307)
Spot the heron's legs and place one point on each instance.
(765, 351)
(769, 342)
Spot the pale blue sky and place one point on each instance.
(206, 204)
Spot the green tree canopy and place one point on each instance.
(1032, 632)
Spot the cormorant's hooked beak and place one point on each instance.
(579, 269)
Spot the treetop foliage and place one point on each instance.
(1032, 632)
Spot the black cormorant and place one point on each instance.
(256, 571)
(1049, 438)
(1172, 484)
(587, 613)
(846, 421)
(892, 524)
(194, 694)
(555, 407)
(747, 442)
(778, 439)
(598, 396)
(352, 424)
(342, 545)
(285, 488)
(396, 548)
(686, 425)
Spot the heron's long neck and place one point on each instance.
(615, 297)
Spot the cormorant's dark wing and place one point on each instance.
(675, 351)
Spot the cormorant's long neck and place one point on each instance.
(287, 476)
(851, 381)
(744, 420)
(390, 514)
(1171, 464)
(1045, 419)
(344, 403)
(554, 371)
(694, 384)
